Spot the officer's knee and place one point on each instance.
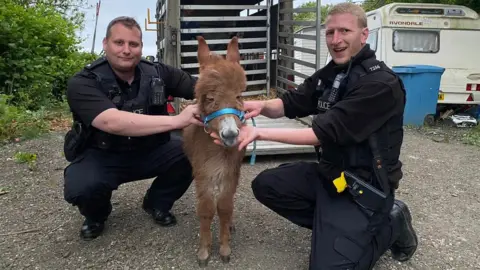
(262, 186)
(83, 187)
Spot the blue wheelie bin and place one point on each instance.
(422, 85)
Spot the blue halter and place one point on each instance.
(241, 116)
(218, 113)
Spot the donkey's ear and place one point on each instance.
(232, 50)
(203, 52)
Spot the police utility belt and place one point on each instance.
(370, 198)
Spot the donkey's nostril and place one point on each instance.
(229, 133)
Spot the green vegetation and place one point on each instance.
(40, 52)
(473, 136)
(28, 158)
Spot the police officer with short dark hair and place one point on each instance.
(347, 197)
(121, 130)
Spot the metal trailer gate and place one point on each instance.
(286, 45)
(178, 24)
(217, 24)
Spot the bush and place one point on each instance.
(39, 54)
(16, 123)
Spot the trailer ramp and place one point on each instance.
(274, 148)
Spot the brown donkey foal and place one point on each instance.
(216, 168)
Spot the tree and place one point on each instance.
(39, 52)
(71, 10)
(310, 16)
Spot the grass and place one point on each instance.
(17, 124)
(473, 136)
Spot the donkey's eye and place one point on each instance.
(239, 97)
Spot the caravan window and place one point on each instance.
(372, 39)
(416, 41)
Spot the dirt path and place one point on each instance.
(441, 186)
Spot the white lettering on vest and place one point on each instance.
(323, 105)
(374, 67)
(138, 111)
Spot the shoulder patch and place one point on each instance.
(145, 61)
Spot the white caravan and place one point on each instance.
(431, 34)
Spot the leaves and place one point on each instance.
(39, 51)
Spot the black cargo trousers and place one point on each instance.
(91, 178)
(341, 236)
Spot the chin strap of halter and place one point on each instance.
(241, 116)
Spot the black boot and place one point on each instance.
(91, 229)
(406, 241)
(163, 218)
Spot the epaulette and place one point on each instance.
(96, 63)
(144, 60)
(371, 65)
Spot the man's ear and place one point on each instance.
(104, 42)
(364, 35)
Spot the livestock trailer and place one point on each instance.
(266, 40)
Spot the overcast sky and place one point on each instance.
(138, 9)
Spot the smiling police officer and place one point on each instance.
(121, 130)
(347, 197)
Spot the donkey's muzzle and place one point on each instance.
(229, 134)
(229, 131)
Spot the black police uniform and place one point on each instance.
(106, 161)
(352, 101)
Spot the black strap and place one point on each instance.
(378, 162)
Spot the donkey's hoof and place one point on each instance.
(203, 262)
(225, 258)
(203, 256)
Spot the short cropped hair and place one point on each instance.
(126, 21)
(350, 8)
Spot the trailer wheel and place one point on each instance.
(430, 120)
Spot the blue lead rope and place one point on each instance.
(253, 156)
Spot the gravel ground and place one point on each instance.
(38, 230)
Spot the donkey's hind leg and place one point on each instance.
(225, 214)
(206, 212)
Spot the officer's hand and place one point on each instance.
(246, 135)
(189, 115)
(253, 108)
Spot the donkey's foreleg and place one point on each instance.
(225, 214)
(205, 212)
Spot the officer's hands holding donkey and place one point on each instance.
(189, 115)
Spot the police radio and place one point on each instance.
(158, 92)
(337, 85)
(115, 95)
